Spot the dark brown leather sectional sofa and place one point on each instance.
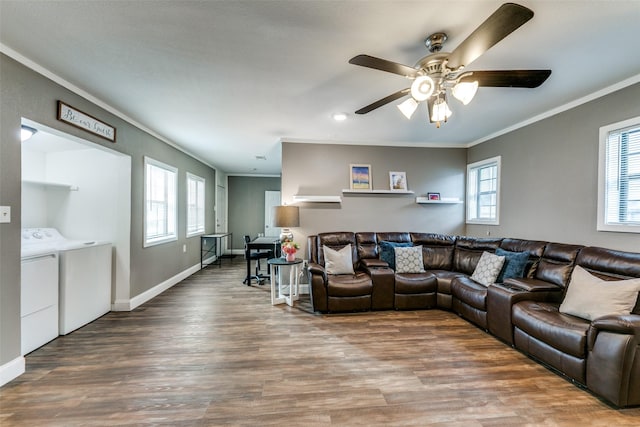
(602, 355)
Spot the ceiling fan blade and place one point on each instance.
(384, 65)
(508, 18)
(508, 78)
(384, 101)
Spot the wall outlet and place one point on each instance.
(184, 248)
(5, 214)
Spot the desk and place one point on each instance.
(268, 243)
(278, 295)
(207, 251)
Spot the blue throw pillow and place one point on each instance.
(514, 264)
(387, 251)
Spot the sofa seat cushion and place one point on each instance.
(444, 279)
(349, 285)
(544, 322)
(470, 292)
(415, 283)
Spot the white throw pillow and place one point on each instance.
(409, 259)
(488, 268)
(338, 262)
(590, 297)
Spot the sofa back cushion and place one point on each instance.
(367, 245)
(557, 263)
(534, 247)
(337, 241)
(609, 264)
(468, 251)
(437, 250)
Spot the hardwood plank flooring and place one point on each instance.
(211, 351)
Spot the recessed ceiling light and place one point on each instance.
(339, 117)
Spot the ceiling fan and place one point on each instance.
(441, 72)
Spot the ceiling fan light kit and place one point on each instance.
(408, 107)
(440, 72)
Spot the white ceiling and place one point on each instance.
(228, 80)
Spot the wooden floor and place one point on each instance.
(212, 351)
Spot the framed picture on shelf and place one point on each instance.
(433, 196)
(360, 177)
(398, 181)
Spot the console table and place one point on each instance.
(210, 246)
(279, 282)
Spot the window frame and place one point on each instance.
(200, 228)
(602, 223)
(171, 210)
(473, 170)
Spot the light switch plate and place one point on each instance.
(5, 214)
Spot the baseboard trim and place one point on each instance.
(130, 304)
(12, 370)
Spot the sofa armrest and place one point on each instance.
(368, 263)
(613, 360)
(318, 270)
(532, 285)
(629, 325)
(318, 287)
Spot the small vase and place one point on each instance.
(291, 256)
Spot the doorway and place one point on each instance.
(93, 202)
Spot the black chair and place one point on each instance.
(255, 256)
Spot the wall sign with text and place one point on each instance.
(77, 118)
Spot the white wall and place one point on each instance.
(550, 175)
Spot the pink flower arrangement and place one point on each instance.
(289, 247)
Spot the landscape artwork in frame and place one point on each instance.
(398, 181)
(433, 196)
(360, 177)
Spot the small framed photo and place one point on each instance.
(433, 196)
(360, 177)
(398, 181)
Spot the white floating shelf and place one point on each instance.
(425, 200)
(59, 185)
(376, 192)
(317, 199)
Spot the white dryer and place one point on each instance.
(85, 282)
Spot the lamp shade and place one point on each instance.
(286, 216)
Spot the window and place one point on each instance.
(483, 192)
(619, 177)
(195, 205)
(160, 202)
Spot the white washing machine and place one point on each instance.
(84, 279)
(39, 291)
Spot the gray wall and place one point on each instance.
(246, 205)
(24, 93)
(323, 169)
(550, 175)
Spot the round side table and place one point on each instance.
(283, 290)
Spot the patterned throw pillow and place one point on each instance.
(338, 262)
(387, 253)
(488, 268)
(409, 259)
